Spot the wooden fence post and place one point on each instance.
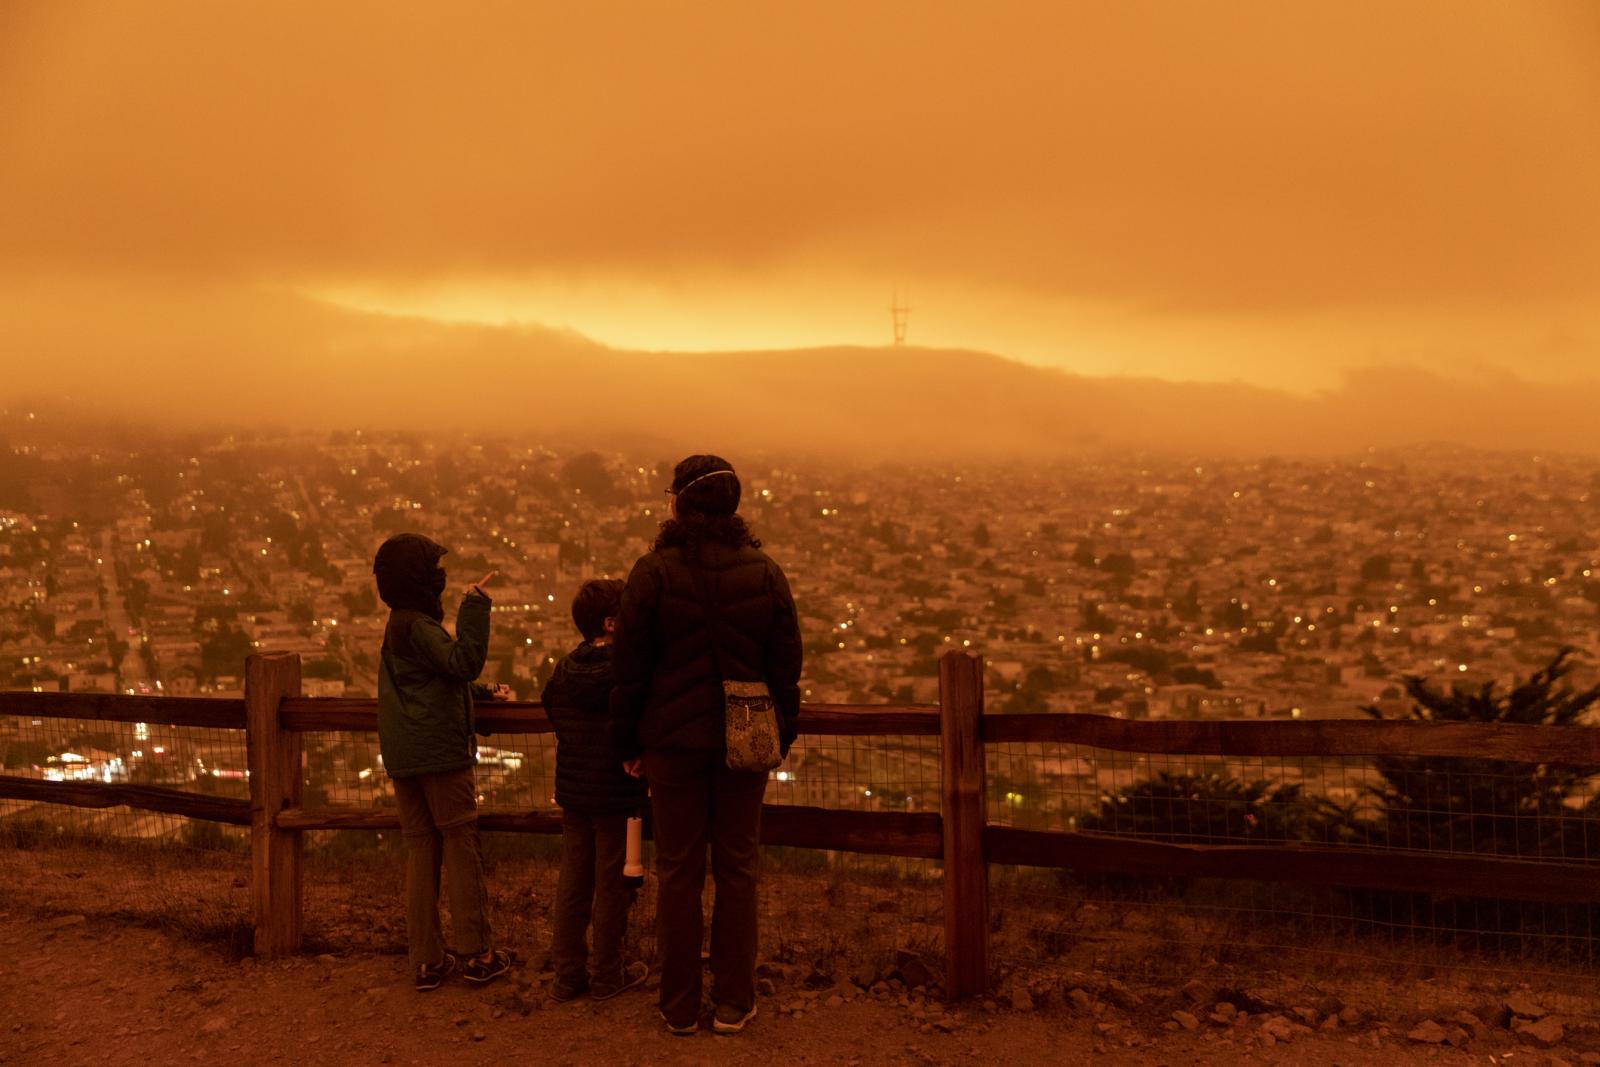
(966, 870)
(275, 777)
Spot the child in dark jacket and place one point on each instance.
(426, 735)
(596, 798)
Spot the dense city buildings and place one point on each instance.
(1131, 586)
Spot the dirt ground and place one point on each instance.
(107, 959)
(75, 990)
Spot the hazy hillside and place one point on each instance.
(278, 358)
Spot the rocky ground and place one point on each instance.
(108, 961)
(75, 990)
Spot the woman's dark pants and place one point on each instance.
(696, 801)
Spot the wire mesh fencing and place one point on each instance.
(830, 908)
(893, 772)
(149, 867)
(877, 905)
(353, 878)
(840, 912)
(1168, 930)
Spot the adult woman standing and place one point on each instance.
(704, 606)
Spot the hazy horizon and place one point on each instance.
(298, 364)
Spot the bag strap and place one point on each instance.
(711, 616)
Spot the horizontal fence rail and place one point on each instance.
(1512, 742)
(306, 714)
(232, 810)
(879, 833)
(223, 713)
(1456, 874)
(274, 717)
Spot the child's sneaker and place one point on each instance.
(481, 970)
(730, 1020)
(633, 975)
(430, 975)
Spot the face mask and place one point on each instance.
(436, 582)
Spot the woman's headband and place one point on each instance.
(702, 478)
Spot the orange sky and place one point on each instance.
(1253, 190)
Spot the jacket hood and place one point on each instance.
(409, 575)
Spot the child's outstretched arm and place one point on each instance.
(463, 656)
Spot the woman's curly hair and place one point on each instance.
(707, 491)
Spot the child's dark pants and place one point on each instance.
(593, 848)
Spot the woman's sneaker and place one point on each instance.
(680, 1031)
(730, 1020)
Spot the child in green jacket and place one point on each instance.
(426, 735)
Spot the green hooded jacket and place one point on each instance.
(425, 717)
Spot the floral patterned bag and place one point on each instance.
(750, 721)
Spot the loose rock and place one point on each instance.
(1427, 1032)
(913, 971)
(1544, 1032)
(1122, 996)
(1278, 1028)
(1522, 1004)
(1185, 1020)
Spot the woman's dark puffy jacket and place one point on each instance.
(589, 775)
(669, 691)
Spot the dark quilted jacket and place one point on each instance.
(589, 775)
(669, 694)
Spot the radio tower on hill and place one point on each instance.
(901, 313)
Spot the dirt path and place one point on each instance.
(76, 990)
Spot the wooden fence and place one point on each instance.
(274, 716)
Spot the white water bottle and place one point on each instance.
(633, 862)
